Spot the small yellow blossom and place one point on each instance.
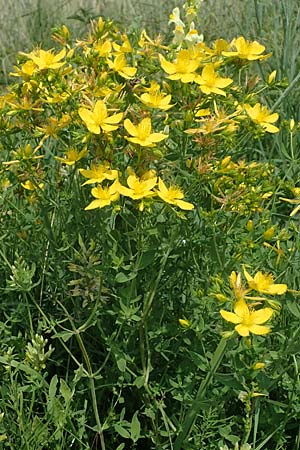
(72, 156)
(156, 99)
(140, 187)
(260, 115)
(246, 49)
(141, 133)
(248, 320)
(104, 196)
(184, 323)
(103, 48)
(119, 65)
(183, 68)
(173, 195)
(210, 82)
(26, 71)
(219, 46)
(272, 77)
(47, 59)
(98, 119)
(30, 186)
(125, 47)
(98, 173)
(258, 366)
(264, 283)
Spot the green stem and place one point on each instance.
(197, 402)
(90, 372)
(286, 92)
(143, 333)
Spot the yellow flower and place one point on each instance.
(210, 82)
(156, 99)
(98, 173)
(98, 119)
(103, 48)
(29, 186)
(246, 49)
(47, 59)
(27, 69)
(140, 187)
(260, 115)
(264, 283)
(72, 156)
(141, 133)
(173, 195)
(104, 196)
(248, 320)
(125, 47)
(219, 46)
(183, 68)
(120, 65)
(258, 366)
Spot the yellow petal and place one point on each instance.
(130, 128)
(261, 316)
(86, 115)
(116, 118)
(229, 316)
(277, 289)
(184, 205)
(157, 137)
(243, 330)
(162, 187)
(270, 128)
(93, 205)
(167, 66)
(241, 309)
(259, 329)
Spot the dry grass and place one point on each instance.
(26, 23)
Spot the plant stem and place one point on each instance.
(196, 404)
(90, 372)
(286, 92)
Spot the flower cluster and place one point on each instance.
(246, 317)
(145, 187)
(104, 107)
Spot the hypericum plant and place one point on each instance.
(127, 189)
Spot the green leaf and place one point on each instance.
(121, 363)
(64, 335)
(293, 308)
(122, 278)
(147, 258)
(135, 427)
(139, 381)
(122, 432)
(52, 387)
(120, 447)
(65, 391)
